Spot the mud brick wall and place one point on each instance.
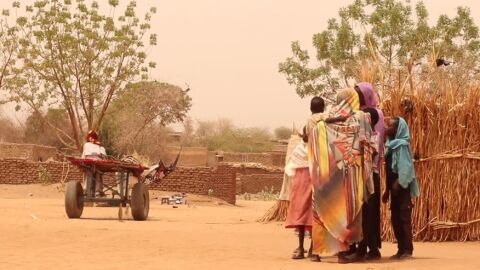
(190, 180)
(18, 171)
(246, 170)
(267, 159)
(263, 158)
(255, 183)
(199, 180)
(223, 183)
(27, 151)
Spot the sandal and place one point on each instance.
(298, 254)
(298, 250)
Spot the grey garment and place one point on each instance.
(98, 181)
(98, 176)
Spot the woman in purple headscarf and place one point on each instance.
(369, 99)
(371, 210)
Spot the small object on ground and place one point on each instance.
(174, 206)
(34, 217)
(30, 194)
(164, 199)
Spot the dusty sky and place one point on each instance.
(228, 51)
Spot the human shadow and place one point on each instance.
(382, 261)
(117, 219)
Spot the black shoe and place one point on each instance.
(345, 253)
(405, 255)
(343, 259)
(371, 256)
(356, 257)
(350, 258)
(396, 256)
(315, 258)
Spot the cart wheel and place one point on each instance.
(74, 199)
(140, 201)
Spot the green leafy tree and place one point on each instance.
(74, 57)
(8, 49)
(141, 112)
(390, 32)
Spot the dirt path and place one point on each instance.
(35, 234)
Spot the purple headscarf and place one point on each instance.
(371, 101)
(369, 95)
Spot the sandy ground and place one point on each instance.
(36, 234)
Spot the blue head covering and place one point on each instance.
(402, 138)
(402, 162)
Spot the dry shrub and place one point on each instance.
(10, 132)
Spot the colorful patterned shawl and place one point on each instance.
(341, 171)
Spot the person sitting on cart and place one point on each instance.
(92, 149)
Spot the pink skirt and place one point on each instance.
(300, 211)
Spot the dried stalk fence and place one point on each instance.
(444, 121)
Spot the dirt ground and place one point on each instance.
(36, 234)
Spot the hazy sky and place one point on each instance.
(228, 51)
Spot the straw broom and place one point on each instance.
(278, 212)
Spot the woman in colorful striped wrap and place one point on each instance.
(340, 162)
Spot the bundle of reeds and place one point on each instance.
(278, 212)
